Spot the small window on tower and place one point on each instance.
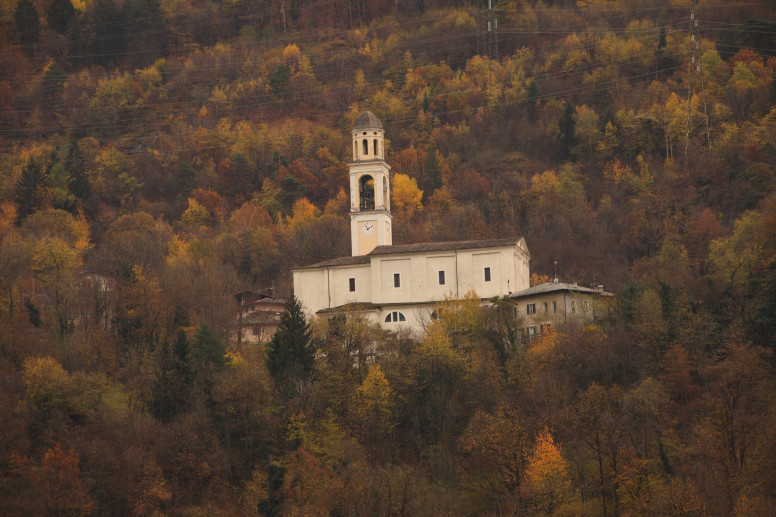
(396, 280)
(366, 147)
(375, 147)
(441, 278)
(352, 284)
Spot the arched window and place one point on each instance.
(355, 150)
(367, 190)
(393, 317)
(375, 147)
(366, 147)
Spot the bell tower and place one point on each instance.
(370, 189)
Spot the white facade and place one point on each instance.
(398, 286)
(410, 279)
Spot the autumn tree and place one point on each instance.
(496, 450)
(372, 410)
(547, 475)
(54, 486)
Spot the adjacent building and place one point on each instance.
(552, 304)
(258, 319)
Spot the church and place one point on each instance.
(398, 286)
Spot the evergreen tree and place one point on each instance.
(291, 353)
(59, 15)
(242, 175)
(183, 182)
(206, 353)
(109, 42)
(270, 506)
(32, 189)
(533, 95)
(79, 184)
(27, 23)
(145, 17)
(171, 387)
(53, 83)
(566, 126)
(433, 174)
(279, 81)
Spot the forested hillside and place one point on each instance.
(160, 156)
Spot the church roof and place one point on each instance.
(339, 261)
(424, 247)
(367, 120)
(443, 246)
(551, 287)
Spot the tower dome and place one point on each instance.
(368, 137)
(367, 120)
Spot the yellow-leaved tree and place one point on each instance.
(372, 412)
(547, 477)
(406, 197)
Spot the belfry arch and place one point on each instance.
(366, 188)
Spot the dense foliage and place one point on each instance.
(160, 156)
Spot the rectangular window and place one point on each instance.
(441, 278)
(530, 308)
(531, 331)
(554, 307)
(396, 280)
(545, 307)
(487, 274)
(352, 285)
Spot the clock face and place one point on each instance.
(367, 228)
